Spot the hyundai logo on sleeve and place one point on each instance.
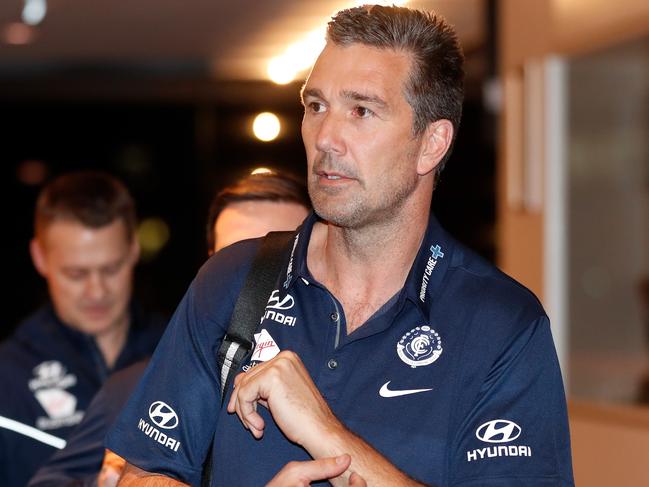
(498, 431)
(162, 415)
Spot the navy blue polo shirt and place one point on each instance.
(49, 373)
(455, 380)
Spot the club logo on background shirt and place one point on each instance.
(265, 347)
(163, 415)
(420, 346)
(498, 431)
(51, 373)
(57, 403)
(48, 385)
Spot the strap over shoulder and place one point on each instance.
(259, 284)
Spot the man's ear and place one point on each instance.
(436, 142)
(135, 249)
(38, 256)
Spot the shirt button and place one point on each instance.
(332, 364)
(334, 316)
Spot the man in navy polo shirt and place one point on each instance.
(85, 246)
(385, 342)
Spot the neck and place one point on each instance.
(365, 267)
(111, 342)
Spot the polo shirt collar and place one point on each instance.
(430, 266)
(426, 274)
(296, 265)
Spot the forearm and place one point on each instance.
(134, 476)
(366, 461)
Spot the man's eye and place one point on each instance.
(111, 269)
(75, 275)
(362, 112)
(316, 107)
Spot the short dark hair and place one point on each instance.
(93, 199)
(435, 87)
(267, 186)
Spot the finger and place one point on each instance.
(298, 474)
(108, 477)
(245, 406)
(251, 419)
(233, 397)
(356, 480)
(325, 468)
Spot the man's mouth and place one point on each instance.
(331, 176)
(96, 310)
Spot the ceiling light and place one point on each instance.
(18, 34)
(261, 170)
(301, 55)
(34, 11)
(297, 57)
(153, 234)
(266, 126)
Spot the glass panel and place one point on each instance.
(609, 224)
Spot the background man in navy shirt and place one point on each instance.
(249, 208)
(397, 346)
(50, 368)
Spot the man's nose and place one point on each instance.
(329, 136)
(96, 286)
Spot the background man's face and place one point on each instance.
(251, 219)
(357, 132)
(89, 273)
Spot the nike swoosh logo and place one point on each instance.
(385, 392)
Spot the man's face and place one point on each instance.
(357, 131)
(251, 219)
(89, 273)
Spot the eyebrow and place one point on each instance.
(373, 99)
(312, 92)
(347, 94)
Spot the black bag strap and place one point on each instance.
(260, 283)
(253, 297)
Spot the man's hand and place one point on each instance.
(301, 474)
(111, 469)
(284, 386)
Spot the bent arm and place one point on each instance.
(366, 461)
(284, 386)
(134, 476)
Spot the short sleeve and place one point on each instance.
(516, 431)
(168, 424)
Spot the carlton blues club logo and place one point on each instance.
(420, 346)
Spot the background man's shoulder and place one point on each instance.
(223, 274)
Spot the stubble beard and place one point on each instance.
(353, 209)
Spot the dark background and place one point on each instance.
(174, 144)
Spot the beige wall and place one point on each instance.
(529, 31)
(610, 443)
